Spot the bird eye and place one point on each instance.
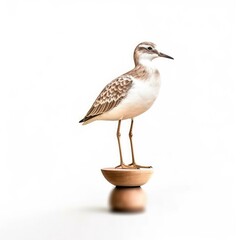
(150, 48)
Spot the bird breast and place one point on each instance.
(140, 97)
(143, 92)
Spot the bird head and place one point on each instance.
(147, 51)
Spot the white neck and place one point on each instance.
(150, 64)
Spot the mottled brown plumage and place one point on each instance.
(139, 72)
(110, 97)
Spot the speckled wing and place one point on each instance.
(110, 97)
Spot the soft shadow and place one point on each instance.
(105, 210)
(89, 209)
(94, 209)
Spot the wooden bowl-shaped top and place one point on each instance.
(127, 177)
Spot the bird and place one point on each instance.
(129, 95)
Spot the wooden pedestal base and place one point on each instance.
(127, 199)
(127, 196)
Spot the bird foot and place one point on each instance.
(131, 166)
(122, 166)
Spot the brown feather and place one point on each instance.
(109, 97)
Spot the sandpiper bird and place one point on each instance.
(129, 95)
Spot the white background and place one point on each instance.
(55, 57)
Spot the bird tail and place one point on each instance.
(87, 120)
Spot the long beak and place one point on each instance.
(164, 55)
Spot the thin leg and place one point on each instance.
(131, 143)
(133, 164)
(122, 165)
(119, 143)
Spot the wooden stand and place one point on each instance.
(128, 195)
